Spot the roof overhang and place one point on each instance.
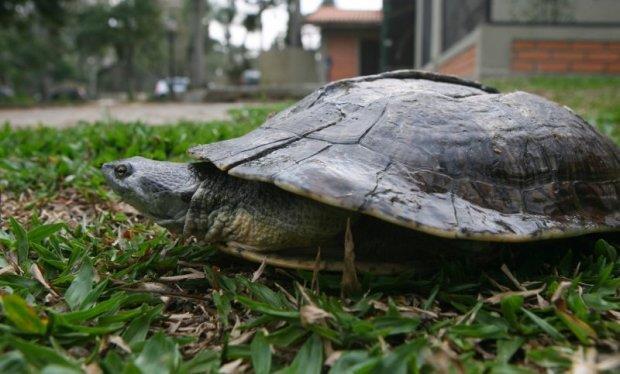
(332, 17)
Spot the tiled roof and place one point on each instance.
(332, 15)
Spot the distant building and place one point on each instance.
(472, 38)
(482, 38)
(349, 41)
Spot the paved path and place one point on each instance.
(150, 113)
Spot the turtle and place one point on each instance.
(411, 158)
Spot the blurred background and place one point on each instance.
(105, 54)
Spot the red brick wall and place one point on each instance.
(343, 49)
(463, 64)
(565, 56)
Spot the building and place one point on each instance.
(483, 38)
(349, 41)
(472, 38)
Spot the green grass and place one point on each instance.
(86, 285)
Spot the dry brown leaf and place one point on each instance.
(38, 275)
(173, 327)
(379, 305)
(9, 269)
(417, 310)
(312, 314)
(563, 311)
(584, 362)
(615, 314)
(243, 338)
(232, 367)
(563, 286)
(153, 287)
(495, 299)
(176, 278)
(118, 341)
(256, 275)
(512, 278)
(180, 316)
(93, 368)
(304, 294)
(609, 363)
(542, 303)
(235, 332)
(332, 358)
(288, 295)
(350, 283)
(314, 284)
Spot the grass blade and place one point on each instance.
(22, 315)
(159, 355)
(43, 231)
(81, 286)
(21, 240)
(261, 354)
(544, 325)
(309, 359)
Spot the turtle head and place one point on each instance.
(159, 189)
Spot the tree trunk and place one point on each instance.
(45, 83)
(293, 37)
(129, 68)
(197, 69)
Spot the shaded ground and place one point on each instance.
(105, 111)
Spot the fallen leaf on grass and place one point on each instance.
(580, 328)
(312, 314)
(563, 286)
(495, 299)
(176, 278)
(120, 342)
(232, 367)
(256, 275)
(22, 315)
(38, 275)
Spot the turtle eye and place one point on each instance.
(121, 171)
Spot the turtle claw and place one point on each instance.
(349, 284)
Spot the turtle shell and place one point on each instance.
(437, 154)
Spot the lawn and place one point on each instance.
(88, 285)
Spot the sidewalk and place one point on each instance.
(150, 113)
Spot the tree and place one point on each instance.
(253, 22)
(33, 49)
(197, 64)
(226, 15)
(21, 12)
(295, 20)
(137, 27)
(132, 29)
(93, 40)
(293, 30)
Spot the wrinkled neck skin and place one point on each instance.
(198, 199)
(161, 190)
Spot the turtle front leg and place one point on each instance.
(259, 216)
